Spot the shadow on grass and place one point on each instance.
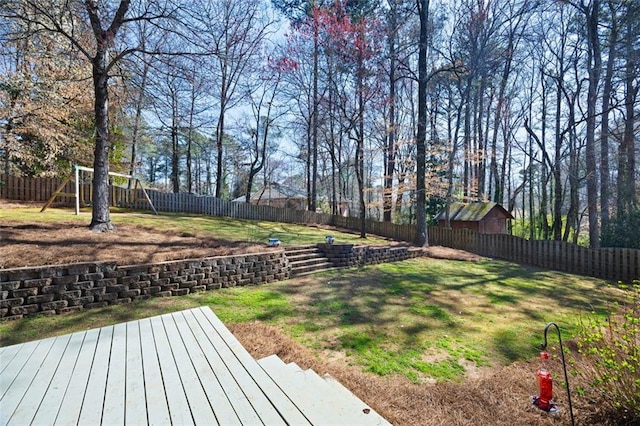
(406, 301)
(41, 327)
(509, 345)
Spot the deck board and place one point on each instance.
(180, 368)
(156, 398)
(9, 353)
(93, 396)
(253, 394)
(114, 396)
(179, 410)
(208, 374)
(19, 382)
(200, 407)
(135, 410)
(281, 402)
(69, 411)
(14, 366)
(54, 395)
(27, 406)
(224, 373)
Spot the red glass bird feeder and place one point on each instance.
(544, 399)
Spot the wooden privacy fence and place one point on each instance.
(190, 203)
(41, 189)
(31, 189)
(612, 264)
(383, 229)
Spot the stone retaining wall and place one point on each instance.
(342, 255)
(67, 288)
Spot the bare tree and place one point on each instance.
(236, 31)
(104, 49)
(265, 113)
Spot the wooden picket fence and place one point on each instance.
(611, 264)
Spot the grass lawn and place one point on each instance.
(425, 319)
(223, 228)
(387, 332)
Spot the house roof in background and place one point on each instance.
(471, 212)
(272, 192)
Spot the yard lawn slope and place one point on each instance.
(424, 342)
(57, 236)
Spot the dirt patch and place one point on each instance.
(30, 244)
(35, 244)
(440, 252)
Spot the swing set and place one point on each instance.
(75, 175)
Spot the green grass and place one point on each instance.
(223, 228)
(425, 319)
(422, 318)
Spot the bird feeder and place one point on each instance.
(545, 382)
(544, 399)
(274, 242)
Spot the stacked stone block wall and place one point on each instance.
(58, 289)
(343, 255)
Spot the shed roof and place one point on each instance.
(472, 212)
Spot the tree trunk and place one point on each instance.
(481, 141)
(100, 219)
(360, 147)
(421, 135)
(332, 153)
(594, 63)
(557, 162)
(219, 152)
(138, 116)
(544, 171)
(466, 179)
(454, 151)
(190, 143)
(390, 152)
(604, 125)
(574, 200)
(627, 202)
(175, 155)
(314, 121)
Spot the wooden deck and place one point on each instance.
(180, 368)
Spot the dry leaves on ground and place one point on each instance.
(30, 244)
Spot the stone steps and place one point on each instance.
(306, 260)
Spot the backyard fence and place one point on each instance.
(41, 189)
(30, 189)
(612, 264)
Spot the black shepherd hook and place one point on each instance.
(564, 365)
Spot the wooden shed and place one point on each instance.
(486, 218)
